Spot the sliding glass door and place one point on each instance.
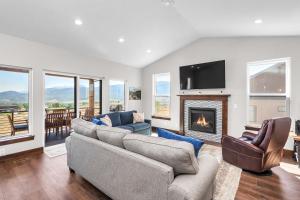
(60, 107)
(62, 94)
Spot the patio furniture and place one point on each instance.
(56, 121)
(21, 125)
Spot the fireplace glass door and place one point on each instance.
(202, 120)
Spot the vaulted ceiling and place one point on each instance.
(144, 24)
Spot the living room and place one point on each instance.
(76, 79)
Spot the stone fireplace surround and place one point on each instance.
(218, 101)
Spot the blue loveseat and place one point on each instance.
(125, 120)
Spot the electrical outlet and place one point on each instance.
(2, 152)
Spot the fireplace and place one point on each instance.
(202, 119)
(217, 104)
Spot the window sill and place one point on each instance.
(163, 118)
(15, 139)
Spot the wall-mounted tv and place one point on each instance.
(203, 76)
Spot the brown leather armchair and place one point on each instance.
(258, 152)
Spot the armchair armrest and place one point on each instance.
(148, 121)
(249, 135)
(251, 128)
(241, 147)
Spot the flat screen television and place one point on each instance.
(203, 76)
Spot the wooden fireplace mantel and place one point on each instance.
(210, 97)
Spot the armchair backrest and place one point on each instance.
(276, 135)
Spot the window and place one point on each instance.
(116, 95)
(98, 97)
(268, 90)
(161, 93)
(90, 97)
(15, 97)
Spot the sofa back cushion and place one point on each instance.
(112, 135)
(126, 117)
(177, 154)
(115, 118)
(85, 128)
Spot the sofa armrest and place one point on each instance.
(68, 148)
(148, 121)
(241, 147)
(195, 186)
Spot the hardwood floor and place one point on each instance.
(36, 176)
(280, 186)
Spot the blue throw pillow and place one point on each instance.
(115, 118)
(126, 117)
(173, 136)
(98, 122)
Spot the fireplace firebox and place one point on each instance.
(202, 120)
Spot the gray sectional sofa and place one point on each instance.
(128, 166)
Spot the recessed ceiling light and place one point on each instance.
(168, 2)
(78, 22)
(148, 51)
(121, 40)
(258, 21)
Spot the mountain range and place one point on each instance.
(66, 94)
(52, 94)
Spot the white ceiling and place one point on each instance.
(145, 24)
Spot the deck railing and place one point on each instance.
(16, 116)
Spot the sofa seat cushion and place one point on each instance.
(177, 154)
(112, 135)
(139, 126)
(126, 127)
(126, 117)
(85, 128)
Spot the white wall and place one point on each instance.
(237, 52)
(18, 52)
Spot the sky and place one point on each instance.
(15, 81)
(57, 81)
